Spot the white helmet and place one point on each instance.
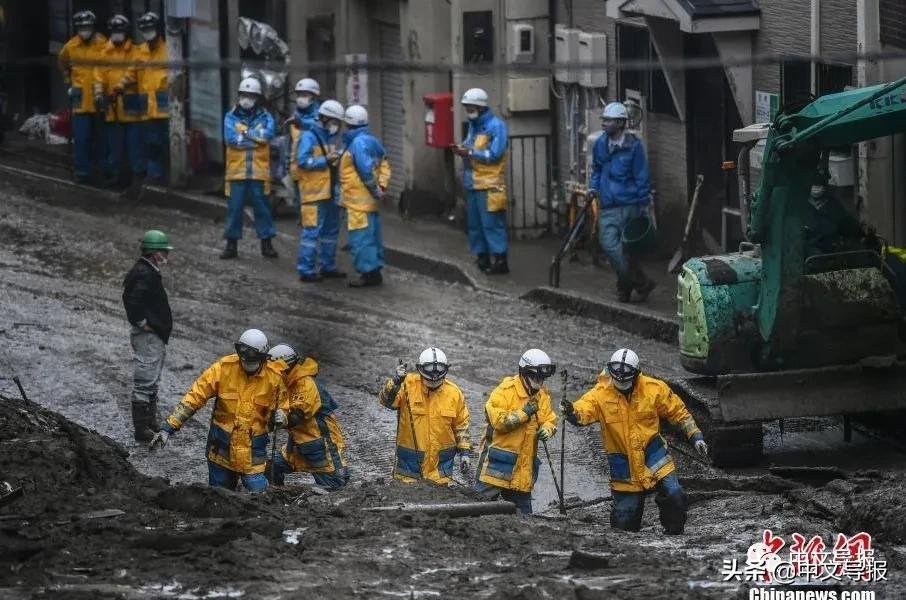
(285, 353)
(250, 85)
(475, 97)
(623, 368)
(332, 110)
(615, 110)
(356, 116)
(309, 85)
(536, 363)
(252, 349)
(432, 365)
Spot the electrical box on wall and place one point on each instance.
(527, 93)
(593, 50)
(522, 43)
(566, 50)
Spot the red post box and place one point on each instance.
(439, 119)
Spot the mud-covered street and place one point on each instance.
(64, 334)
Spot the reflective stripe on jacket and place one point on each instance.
(80, 77)
(313, 168)
(243, 404)
(316, 444)
(118, 70)
(249, 157)
(152, 81)
(620, 177)
(636, 451)
(439, 420)
(485, 167)
(508, 456)
(363, 170)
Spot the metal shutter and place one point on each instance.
(393, 120)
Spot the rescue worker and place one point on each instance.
(829, 227)
(364, 177)
(247, 131)
(116, 92)
(316, 159)
(148, 312)
(304, 116)
(519, 415)
(315, 444)
(249, 399)
(152, 84)
(85, 46)
(629, 406)
(432, 424)
(620, 182)
(484, 177)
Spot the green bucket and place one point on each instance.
(639, 234)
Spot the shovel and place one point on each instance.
(682, 253)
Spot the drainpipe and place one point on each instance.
(815, 42)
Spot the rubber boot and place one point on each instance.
(370, 279)
(484, 262)
(141, 417)
(335, 274)
(499, 266)
(672, 508)
(267, 249)
(309, 277)
(154, 419)
(231, 250)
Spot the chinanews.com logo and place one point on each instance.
(775, 563)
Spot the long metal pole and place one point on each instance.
(563, 376)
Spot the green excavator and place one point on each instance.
(805, 320)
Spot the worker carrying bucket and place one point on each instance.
(629, 406)
(620, 182)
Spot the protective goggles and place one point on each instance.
(433, 371)
(248, 353)
(542, 371)
(621, 371)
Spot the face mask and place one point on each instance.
(532, 384)
(433, 385)
(472, 114)
(333, 128)
(303, 102)
(117, 38)
(250, 366)
(149, 36)
(623, 386)
(86, 34)
(247, 103)
(817, 191)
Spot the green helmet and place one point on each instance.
(156, 240)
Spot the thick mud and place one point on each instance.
(64, 334)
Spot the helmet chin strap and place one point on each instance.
(432, 385)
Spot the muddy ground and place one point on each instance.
(62, 331)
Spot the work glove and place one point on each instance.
(400, 373)
(545, 434)
(465, 464)
(702, 448)
(530, 407)
(159, 440)
(278, 419)
(296, 417)
(566, 408)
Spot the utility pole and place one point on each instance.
(178, 13)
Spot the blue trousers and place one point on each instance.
(611, 222)
(487, 230)
(252, 191)
(522, 500)
(224, 478)
(331, 481)
(157, 145)
(367, 245)
(627, 507)
(124, 139)
(319, 243)
(87, 145)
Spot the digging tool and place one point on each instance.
(550, 463)
(21, 389)
(274, 446)
(682, 253)
(563, 381)
(465, 509)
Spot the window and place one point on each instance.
(634, 44)
(893, 22)
(833, 78)
(796, 77)
(478, 36)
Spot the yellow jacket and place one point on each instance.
(129, 106)
(238, 438)
(152, 81)
(363, 169)
(247, 135)
(81, 76)
(508, 456)
(636, 452)
(439, 421)
(309, 158)
(315, 444)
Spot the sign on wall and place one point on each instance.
(356, 79)
(766, 106)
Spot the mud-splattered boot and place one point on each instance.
(484, 262)
(231, 250)
(267, 249)
(500, 266)
(141, 421)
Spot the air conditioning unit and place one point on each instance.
(566, 50)
(593, 50)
